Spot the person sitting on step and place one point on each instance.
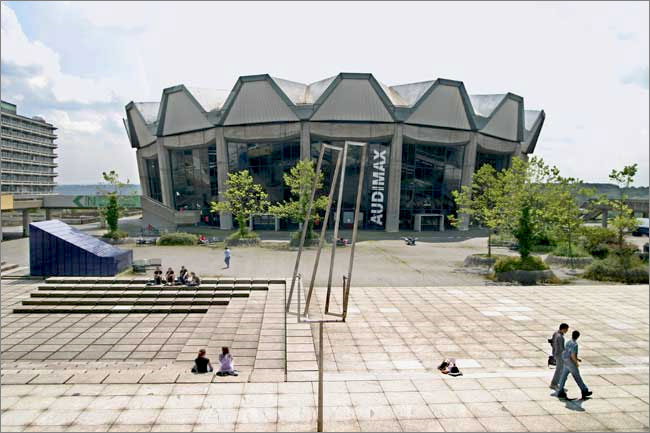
(157, 276)
(227, 367)
(193, 280)
(202, 363)
(169, 276)
(182, 275)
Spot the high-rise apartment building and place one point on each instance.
(27, 154)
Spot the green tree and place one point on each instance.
(244, 198)
(524, 203)
(563, 209)
(300, 180)
(480, 202)
(112, 211)
(624, 219)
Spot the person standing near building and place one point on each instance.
(226, 257)
(572, 365)
(557, 342)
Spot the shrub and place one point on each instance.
(530, 263)
(115, 235)
(309, 239)
(600, 251)
(178, 238)
(562, 250)
(610, 269)
(238, 236)
(542, 239)
(594, 239)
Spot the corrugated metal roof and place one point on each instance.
(484, 105)
(530, 117)
(412, 92)
(149, 111)
(395, 98)
(315, 90)
(355, 97)
(296, 92)
(210, 99)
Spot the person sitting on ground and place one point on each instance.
(193, 280)
(202, 364)
(157, 276)
(227, 367)
(448, 366)
(182, 275)
(169, 276)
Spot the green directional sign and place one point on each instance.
(95, 201)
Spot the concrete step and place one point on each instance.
(119, 301)
(118, 309)
(121, 294)
(142, 287)
(143, 280)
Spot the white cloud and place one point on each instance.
(584, 63)
(18, 50)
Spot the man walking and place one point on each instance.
(226, 257)
(572, 365)
(557, 342)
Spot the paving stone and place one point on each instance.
(541, 423)
(56, 417)
(380, 426)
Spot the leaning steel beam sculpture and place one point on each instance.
(338, 317)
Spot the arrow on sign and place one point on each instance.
(77, 200)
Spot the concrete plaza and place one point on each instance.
(115, 373)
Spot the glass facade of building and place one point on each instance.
(194, 178)
(498, 161)
(153, 176)
(375, 188)
(266, 162)
(429, 174)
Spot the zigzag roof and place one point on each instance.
(492, 114)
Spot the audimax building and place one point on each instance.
(425, 140)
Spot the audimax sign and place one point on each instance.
(378, 160)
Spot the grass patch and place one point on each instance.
(562, 250)
(508, 264)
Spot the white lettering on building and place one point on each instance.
(378, 186)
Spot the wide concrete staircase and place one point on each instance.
(103, 295)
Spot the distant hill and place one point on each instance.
(93, 189)
(612, 190)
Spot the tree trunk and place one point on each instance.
(241, 220)
(489, 243)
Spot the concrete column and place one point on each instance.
(48, 214)
(26, 221)
(469, 162)
(165, 174)
(305, 141)
(394, 180)
(225, 218)
(142, 174)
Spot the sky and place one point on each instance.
(77, 64)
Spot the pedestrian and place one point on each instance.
(572, 365)
(226, 257)
(557, 342)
